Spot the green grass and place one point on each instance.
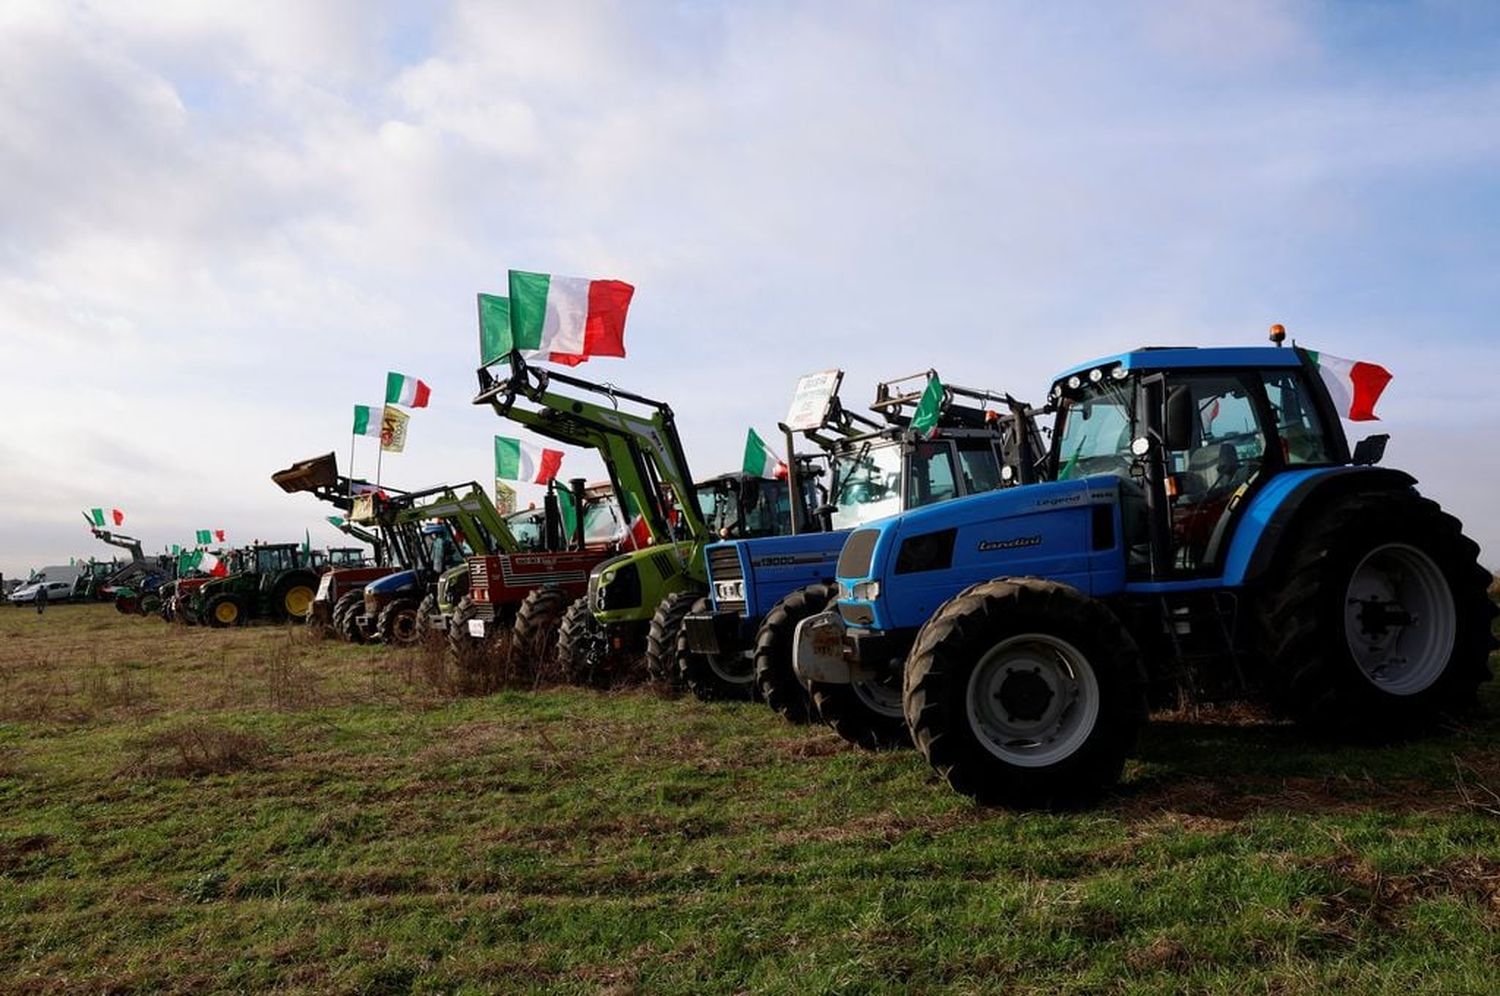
(193, 810)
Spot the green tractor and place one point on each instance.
(636, 601)
(276, 583)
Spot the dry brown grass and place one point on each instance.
(195, 749)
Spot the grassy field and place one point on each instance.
(190, 810)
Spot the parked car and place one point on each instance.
(57, 591)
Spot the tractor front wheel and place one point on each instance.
(534, 635)
(775, 680)
(713, 677)
(397, 624)
(661, 639)
(1025, 692)
(350, 602)
(428, 628)
(224, 610)
(865, 712)
(1378, 624)
(583, 650)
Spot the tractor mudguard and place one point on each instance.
(1277, 507)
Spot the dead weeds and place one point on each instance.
(195, 750)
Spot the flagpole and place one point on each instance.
(378, 458)
(352, 438)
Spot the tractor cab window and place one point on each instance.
(1225, 454)
(742, 508)
(526, 527)
(866, 485)
(1302, 437)
(930, 477)
(979, 460)
(1094, 431)
(601, 523)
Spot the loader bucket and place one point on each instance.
(309, 475)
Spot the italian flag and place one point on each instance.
(366, 422)
(97, 517)
(403, 390)
(1354, 385)
(567, 319)
(518, 461)
(639, 535)
(209, 564)
(760, 461)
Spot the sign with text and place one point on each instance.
(810, 401)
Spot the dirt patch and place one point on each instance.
(1362, 894)
(196, 749)
(17, 851)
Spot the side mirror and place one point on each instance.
(1177, 432)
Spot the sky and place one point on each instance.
(221, 224)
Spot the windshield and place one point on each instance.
(745, 507)
(1094, 431)
(867, 485)
(601, 523)
(526, 527)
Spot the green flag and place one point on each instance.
(306, 541)
(567, 512)
(925, 419)
(176, 549)
(495, 339)
(337, 521)
(205, 536)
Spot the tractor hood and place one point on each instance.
(392, 584)
(893, 574)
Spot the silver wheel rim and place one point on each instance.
(733, 669)
(1033, 700)
(1400, 622)
(881, 696)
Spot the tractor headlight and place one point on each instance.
(865, 591)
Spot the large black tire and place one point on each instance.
(293, 598)
(865, 713)
(713, 677)
(583, 651)
(397, 624)
(349, 602)
(775, 680)
(661, 638)
(149, 604)
(1025, 692)
(428, 628)
(224, 609)
(464, 651)
(534, 635)
(1377, 622)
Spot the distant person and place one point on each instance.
(41, 599)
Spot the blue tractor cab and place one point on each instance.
(739, 637)
(1205, 528)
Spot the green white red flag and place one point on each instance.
(760, 461)
(403, 390)
(366, 421)
(1354, 384)
(521, 461)
(567, 319)
(99, 519)
(209, 564)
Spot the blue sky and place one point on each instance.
(223, 224)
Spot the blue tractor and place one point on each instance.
(1206, 527)
(738, 639)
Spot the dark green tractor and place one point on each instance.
(277, 584)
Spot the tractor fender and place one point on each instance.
(1276, 509)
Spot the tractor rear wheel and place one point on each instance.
(1378, 623)
(293, 602)
(583, 650)
(225, 609)
(467, 653)
(713, 677)
(661, 638)
(397, 624)
(534, 635)
(775, 680)
(1025, 692)
(149, 604)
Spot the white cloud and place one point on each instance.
(224, 224)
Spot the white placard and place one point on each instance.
(811, 399)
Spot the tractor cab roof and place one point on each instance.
(1181, 357)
